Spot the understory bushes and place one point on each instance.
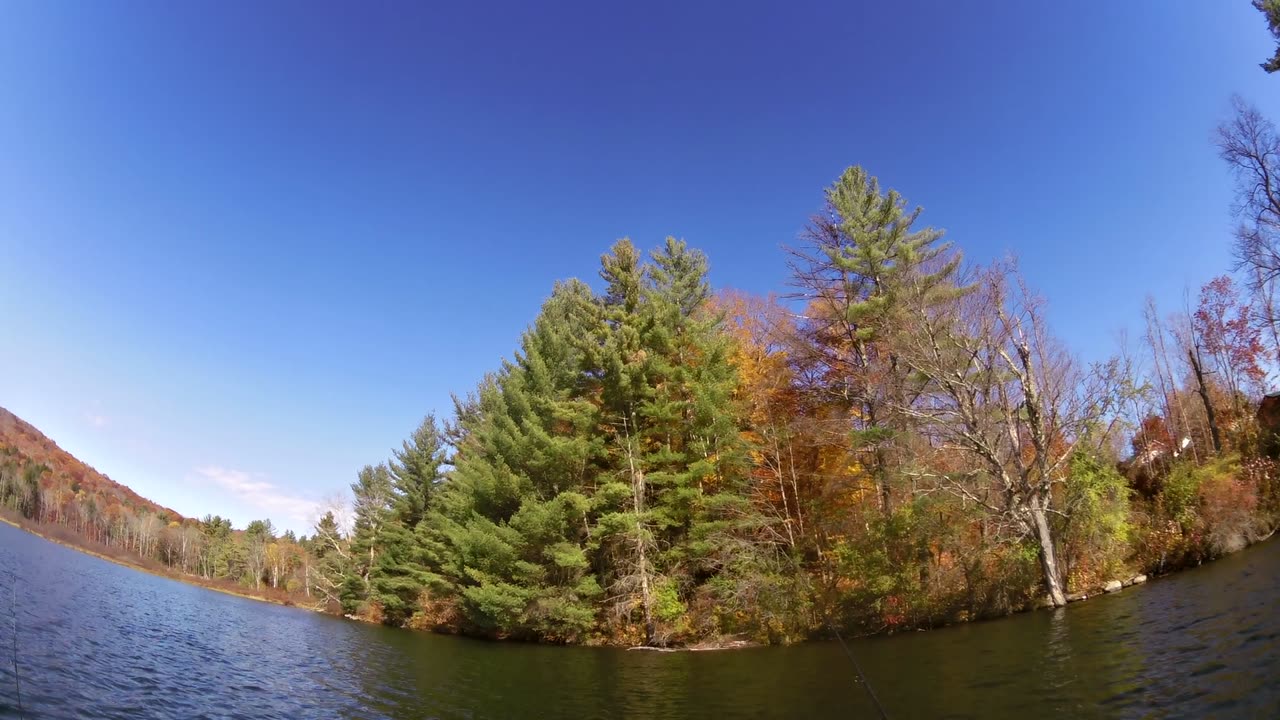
(1205, 511)
(934, 561)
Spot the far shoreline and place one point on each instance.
(194, 581)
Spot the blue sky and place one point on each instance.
(243, 249)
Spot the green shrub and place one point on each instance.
(1181, 495)
(1097, 531)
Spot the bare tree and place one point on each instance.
(1202, 388)
(332, 548)
(1000, 391)
(146, 531)
(1250, 145)
(1175, 411)
(191, 540)
(259, 535)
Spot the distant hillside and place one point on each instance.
(67, 479)
(46, 490)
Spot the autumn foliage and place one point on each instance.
(898, 442)
(46, 489)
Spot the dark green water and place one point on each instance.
(99, 640)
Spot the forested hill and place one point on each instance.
(63, 478)
(46, 489)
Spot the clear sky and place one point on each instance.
(244, 247)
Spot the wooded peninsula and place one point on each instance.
(897, 441)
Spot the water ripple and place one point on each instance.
(102, 641)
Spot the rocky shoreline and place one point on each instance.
(1114, 586)
(1111, 586)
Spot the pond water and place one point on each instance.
(96, 639)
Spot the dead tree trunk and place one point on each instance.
(642, 557)
(1198, 369)
(1048, 556)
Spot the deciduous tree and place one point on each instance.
(1003, 393)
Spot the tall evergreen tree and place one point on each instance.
(416, 471)
(673, 503)
(509, 529)
(372, 493)
(868, 259)
(627, 538)
(400, 572)
(720, 538)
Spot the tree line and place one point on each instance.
(43, 486)
(898, 441)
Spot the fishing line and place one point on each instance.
(861, 675)
(13, 610)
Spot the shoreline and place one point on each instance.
(185, 579)
(706, 645)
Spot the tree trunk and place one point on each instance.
(786, 510)
(881, 470)
(646, 595)
(1266, 289)
(642, 559)
(1204, 397)
(1048, 558)
(795, 486)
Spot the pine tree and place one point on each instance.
(868, 261)
(688, 417)
(674, 503)
(626, 540)
(606, 453)
(509, 530)
(400, 571)
(416, 471)
(1271, 10)
(721, 538)
(372, 492)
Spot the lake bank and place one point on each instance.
(194, 580)
(95, 639)
(704, 645)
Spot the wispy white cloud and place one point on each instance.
(97, 420)
(254, 491)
